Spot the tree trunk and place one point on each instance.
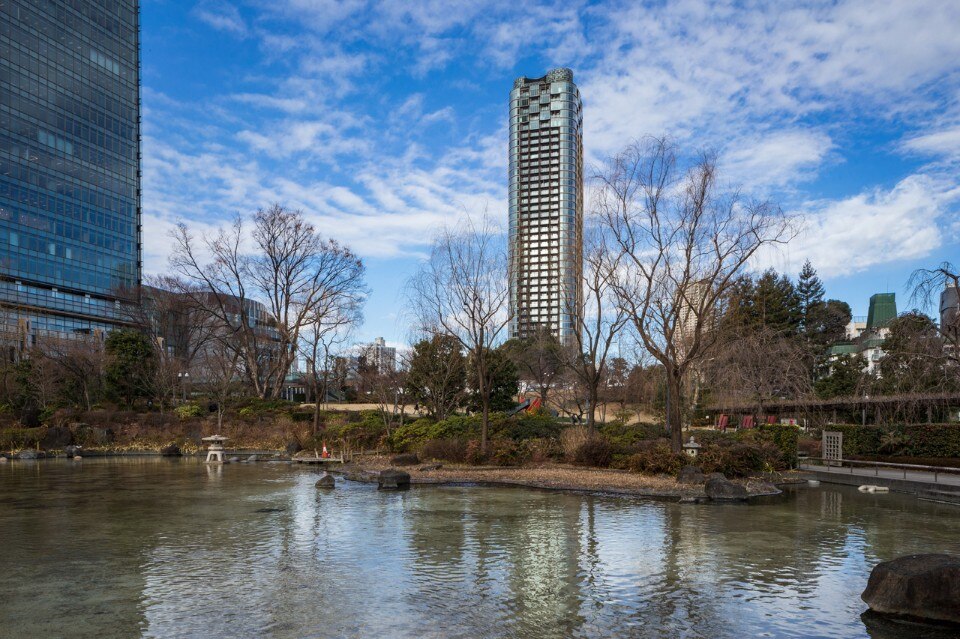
(592, 409)
(674, 423)
(484, 423)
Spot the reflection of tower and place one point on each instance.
(546, 204)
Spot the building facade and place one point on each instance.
(70, 249)
(546, 205)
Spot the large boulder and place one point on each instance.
(393, 479)
(30, 454)
(718, 489)
(405, 459)
(56, 437)
(691, 475)
(171, 450)
(364, 476)
(919, 586)
(327, 481)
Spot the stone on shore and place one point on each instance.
(691, 475)
(393, 479)
(327, 481)
(722, 489)
(919, 586)
(171, 450)
(293, 447)
(30, 454)
(405, 459)
(429, 467)
(72, 451)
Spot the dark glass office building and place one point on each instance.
(70, 251)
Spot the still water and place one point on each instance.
(174, 548)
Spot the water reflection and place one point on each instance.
(162, 548)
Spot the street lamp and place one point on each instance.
(183, 376)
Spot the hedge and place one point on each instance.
(916, 440)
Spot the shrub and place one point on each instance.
(626, 437)
(655, 457)
(414, 434)
(541, 450)
(784, 437)
(186, 411)
(571, 439)
(452, 449)
(14, 438)
(475, 454)
(537, 425)
(595, 451)
(507, 452)
(740, 459)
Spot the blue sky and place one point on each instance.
(385, 121)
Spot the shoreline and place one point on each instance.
(566, 478)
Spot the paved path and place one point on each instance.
(948, 481)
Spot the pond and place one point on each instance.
(175, 548)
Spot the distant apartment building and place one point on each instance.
(546, 205)
(70, 249)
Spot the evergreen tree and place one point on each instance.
(438, 375)
(843, 378)
(776, 304)
(809, 291)
(130, 365)
(502, 380)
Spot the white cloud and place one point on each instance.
(851, 235)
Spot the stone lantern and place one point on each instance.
(215, 450)
(691, 448)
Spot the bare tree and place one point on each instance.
(540, 360)
(598, 322)
(77, 365)
(461, 290)
(328, 330)
(291, 271)
(758, 367)
(927, 286)
(219, 372)
(682, 242)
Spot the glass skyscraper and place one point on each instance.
(546, 205)
(70, 249)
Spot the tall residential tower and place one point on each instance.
(546, 204)
(69, 164)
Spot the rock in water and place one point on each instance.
(920, 586)
(72, 451)
(327, 481)
(30, 454)
(171, 450)
(691, 475)
(233, 460)
(251, 458)
(392, 479)
(719, 489)
(405, 459)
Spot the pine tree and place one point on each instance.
(810, 291)
(776, 304)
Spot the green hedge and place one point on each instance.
(917, 440)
